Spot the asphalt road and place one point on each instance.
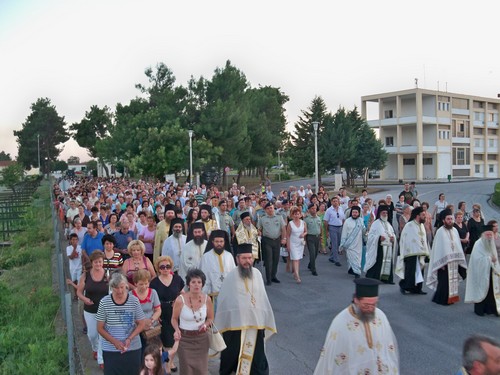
(430, 336)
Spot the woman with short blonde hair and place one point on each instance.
(136, 262)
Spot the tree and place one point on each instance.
(266, 126)
(92, 166)
(224, 121)
(347, 141)
(4, 156)
(44, 124)
(92, 127)
(300, 148)
(12, 175)
(73, 160)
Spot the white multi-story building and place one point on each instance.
(432, 134)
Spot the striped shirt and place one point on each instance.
(119, 320)
(112, 263)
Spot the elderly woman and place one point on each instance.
(136, 262)
(148, 298)
(120, 320)
(79, 229)
(193, 314)
(168, 286)
(92, 287)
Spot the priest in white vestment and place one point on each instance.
(216, 263)
(173, 245)
(413, 251)
(360, 339)
(351, 240)
(483, 276)
(447, 264)
(245, 318)
(193, 250)
(381, 248)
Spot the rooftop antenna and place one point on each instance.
(438, 85)
(416, 83)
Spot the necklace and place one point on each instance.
(199, 318)
(252, 298)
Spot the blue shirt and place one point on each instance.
(122, 239)
(90, 243)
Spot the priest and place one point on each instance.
(413, 250)
(360, 339)
(244, 317)
(247, 233)
(380, 248)
(447, 264)
(216, 263)
(353, 232)
(483, 276)
(176, 240)
(193, 250)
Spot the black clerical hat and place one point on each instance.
(366, 287)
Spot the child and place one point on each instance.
(155, 345)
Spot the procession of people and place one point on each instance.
(220, 253)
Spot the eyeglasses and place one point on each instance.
(165, 267)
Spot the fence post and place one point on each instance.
(71, 334)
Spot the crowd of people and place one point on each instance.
(177, 245)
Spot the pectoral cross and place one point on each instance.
(221, 277)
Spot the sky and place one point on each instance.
(93, 52)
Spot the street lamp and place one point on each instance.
(190, 132)
(279, 165)
(38, 139)
(315, 126)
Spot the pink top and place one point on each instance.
(148, 235)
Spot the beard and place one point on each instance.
(448, 226)
(247, 226)
(364, 316)
(219, 251)
(489, 244)
(245, 273)
(383, 218)
(177, 234)
(198, 240)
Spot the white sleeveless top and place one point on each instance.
(187, 317)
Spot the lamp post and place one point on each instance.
(279, 165)
(315, 127)
(190, 132)
(38, 141)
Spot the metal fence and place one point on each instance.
(67, 306)
(13, 207)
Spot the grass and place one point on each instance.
(28, 304)
(496, 194)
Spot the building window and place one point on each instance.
(492, 157)
(492, 143)
(478, 142)
(389, 141)
(444, 107)
(478, 131)
(491, 168)
(479, 116)
(478, 157)
(444, 134)
(461, 156)
(477, 168)
(427, 161)
(492, 131)
(408, 161)
(388, 113)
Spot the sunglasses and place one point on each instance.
(165, 267)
